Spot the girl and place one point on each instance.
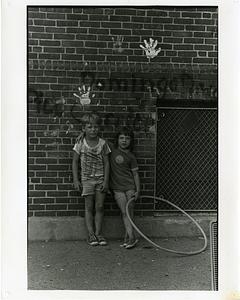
(124, 180)
(93, 154)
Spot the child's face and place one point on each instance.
(91, 130)
(124, 141)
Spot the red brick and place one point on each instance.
(36, 15)
(141, 32)
(32, 8)
(36, 207)
(49, 43)
(203, 34)
(66, 213)
(186, 60)
(45, 214)
(58, 167)
(89, 24)
(187, 53)
(36, 193)
(64, 36)
(43, 200)
(94, 57)
(46, 161)
(203, 47)
(55, 30)
(202, 60)
(173, 27)
(98, 31)
(183, 21)
(183, 47)
(195, 28)
(211, 41)
(55, 16)
(35, 29)
(49, 56)
(36, 154)
(154, 12)
(72, 57)
(56, 207)
(90, 37)
(125, 11)
(120, 32)
(45, 187)
(67, 23)
(45, 36)
(76, 30)
(193, 40)
(57, 194)
(93, 10)
(46, 174)
(95, 44)
(204, 21)
(193, 15)
(153, 26)
(77, 17)
(44, 22)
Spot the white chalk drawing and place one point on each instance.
(149, 48)
(117, 44)
(85, 95)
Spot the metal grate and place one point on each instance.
(214, 254)
(186, 156)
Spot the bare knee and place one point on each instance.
(99, 208)
(124, 214)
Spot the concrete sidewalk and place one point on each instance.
(74, 265)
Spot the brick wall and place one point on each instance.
(69, 47)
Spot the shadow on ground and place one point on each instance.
(74, 265)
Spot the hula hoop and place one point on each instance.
(156, 245)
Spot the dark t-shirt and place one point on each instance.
(122, 164)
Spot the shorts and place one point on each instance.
(123, 195)
(90, 186)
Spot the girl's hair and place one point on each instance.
(127, 132)
(90, 118)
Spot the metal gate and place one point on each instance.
(214, 254)
(186, 158)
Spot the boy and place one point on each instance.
(93, 153)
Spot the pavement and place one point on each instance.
(74, 265)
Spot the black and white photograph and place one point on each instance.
(122, 100)
(123, 179)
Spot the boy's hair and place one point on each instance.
(90, 118)
(127, 132)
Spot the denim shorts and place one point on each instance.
(90, 186)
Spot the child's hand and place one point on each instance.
(77, 185)
(136, 195)
(81, 135)
(104, 187)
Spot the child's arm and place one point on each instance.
(76, 182)
(137, 184)
(106, 173)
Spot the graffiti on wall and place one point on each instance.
(147, 92)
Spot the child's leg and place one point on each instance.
(89, 206)
(99, 202)
(121, 199)
(129, 195)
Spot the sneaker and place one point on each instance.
(131, 244)
(125, 242)
(101, 240)
(92, 240)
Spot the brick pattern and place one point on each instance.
(69, 46)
